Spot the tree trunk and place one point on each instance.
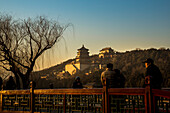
(17, 81)
(24, 80)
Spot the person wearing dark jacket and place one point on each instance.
(114, 78)
(10, 85)
(1, 82)
(77, 83)
(121, 78)
(153, 71)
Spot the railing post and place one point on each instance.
(148, 96)
(64, 103)
(133, 105)
(1, 99)
(32, 99)
(1, 104)
(105, 96)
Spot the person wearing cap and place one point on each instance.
(1, 82)
(77, 83)
(114, 80)
(153, 71)
(113, 77)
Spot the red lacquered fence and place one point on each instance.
(102, 100)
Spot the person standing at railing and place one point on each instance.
(121, 78)
(10, 85)
(76, 98)
(114, 78)
(77, 83)
(1, 82)
(153, 71)
(155, 79)
(51, 86)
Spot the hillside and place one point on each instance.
(56, 68)
(129, 62)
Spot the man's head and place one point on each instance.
(148, 62)
(110, 66)
(77, 78)
(1, 81)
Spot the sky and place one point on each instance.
(123, 25)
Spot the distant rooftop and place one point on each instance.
(83, 48)
(107, 48)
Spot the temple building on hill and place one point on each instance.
(81, 63)
(107, 52)
(83, 56)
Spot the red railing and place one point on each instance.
(103, 100)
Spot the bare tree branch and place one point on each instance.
(5, 68)
(22, 42)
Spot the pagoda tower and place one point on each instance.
(83, 56)
(81, 62)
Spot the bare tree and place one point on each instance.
(22, 42)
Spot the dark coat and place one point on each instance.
(156, 76)
(1, 82)
(114, 78)
(10, 85)
(121, 81)
(77, 84)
